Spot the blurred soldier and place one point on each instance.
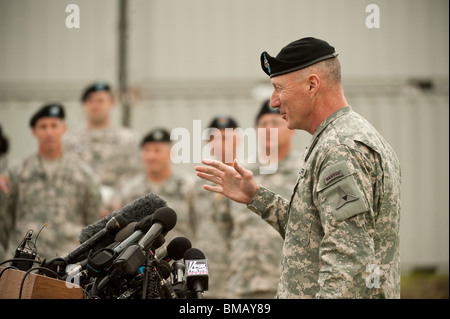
(213, 211)
(256, 247)
(110, 150)
(48, 187)
(4, 144)
(162, 179)
(341, 224)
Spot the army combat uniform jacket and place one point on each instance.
(341, 225)
(66, 201)
(113, 153)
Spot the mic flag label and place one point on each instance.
(196, 267)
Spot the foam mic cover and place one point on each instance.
(165, 216)
(133, 212)
(145, 224)
(194, 253)
(125, 232)
(177, 247)
(163, 220)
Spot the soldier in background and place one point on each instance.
(213, 211)
(256, 247)
(48, 187)
(111, 151)
(4, 145)
(161, 178)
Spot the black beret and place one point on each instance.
(222, 122)
(50, 110)
(297, 55)
(156, 135)
(266, 108)
(4, 143)
(99, 86)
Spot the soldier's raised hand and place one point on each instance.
(234, 182)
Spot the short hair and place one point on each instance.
(329, 68)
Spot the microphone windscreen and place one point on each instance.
(177, 247)
(133, 212)
(125, 233)
(145, 224)
(193, 253)
(166, 216)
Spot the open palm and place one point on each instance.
(234, 182)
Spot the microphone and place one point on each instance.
(164, 219)
(125, 232)
(164, 268)
(139, 230)
(174, 250)
(178, 272)
(196, 271)
(124, 238)
(133, 212)
(113, 225)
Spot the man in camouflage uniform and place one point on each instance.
(256, 247)
(213, 211)
(110, 150)
(162, 179)
(4, 144)
(341, 226)
(48, 187)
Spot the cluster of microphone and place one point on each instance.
(123, 256)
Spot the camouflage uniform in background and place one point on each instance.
(113, 153)
(255, 246)
(67, 201)
(174, 191)
(212, 237)
(3, 163)
(4, 227)
(341, 227)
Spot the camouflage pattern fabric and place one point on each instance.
(212, 237)
(255, 246)
(175, 191)
(341, 226)
(112, 153)
(67, 201)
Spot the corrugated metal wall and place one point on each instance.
(190, 60)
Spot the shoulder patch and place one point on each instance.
(333, 176)
(338, 188)
(345, 198)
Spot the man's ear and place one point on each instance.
(314, 83)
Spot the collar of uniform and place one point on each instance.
(342, 111)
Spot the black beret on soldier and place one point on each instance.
(266, 109)
(96, 87)
(156, 135)
(297, 55)
(50, 110)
